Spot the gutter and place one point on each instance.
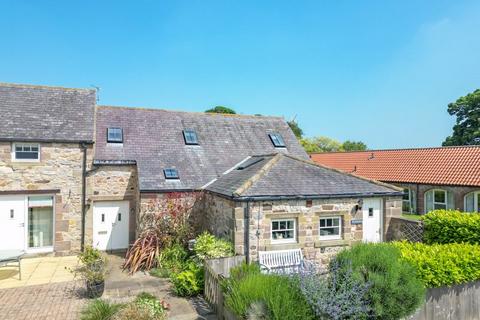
(308, 197)
(83, 146)
(46, 140)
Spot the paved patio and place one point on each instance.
(51, 294)
(38, 270)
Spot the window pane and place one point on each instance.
(277, 140)
(283, 224)
(190, 137)
(290, 224)
(114, 135)
(329, 222)
(26, 155)
(322, 222)
(440, 196)
(406, 194)
(18, 148)
(274, 225)
(470, 202)
(40, 227)
(406, 206)
(439, 206)
(330, 231)
(336, 222)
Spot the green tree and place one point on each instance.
(321, 144)
(354, 146)
(297, 131)
(466, 130)
(221, 109)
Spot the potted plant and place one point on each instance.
(92, 270)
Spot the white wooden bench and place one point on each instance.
(281, 261)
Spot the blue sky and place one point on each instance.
(378, 71)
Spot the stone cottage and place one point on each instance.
(74, 173)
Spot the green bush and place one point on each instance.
(443, 264)
(207, 246)
(451, 226)
(156, 308)
(173, 258)
(99, 310)
(394, 289)
(190, 281)
(266, 297)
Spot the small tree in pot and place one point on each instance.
(92, 270)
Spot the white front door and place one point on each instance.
(372, 220)
(110, 225)
(12, 222)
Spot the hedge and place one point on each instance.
(451, 226)
(443, 264)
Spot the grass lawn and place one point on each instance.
(411, 216)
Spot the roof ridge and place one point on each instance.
(21, 85)
(192, 112)
(310, 162)
(397, 149)
(261, 172)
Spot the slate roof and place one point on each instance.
(39, 113)
(440, 166)
(286, 176)
(154, 139)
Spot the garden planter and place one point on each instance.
(95, 289)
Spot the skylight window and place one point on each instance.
(277, 140)
(190, 137)
(115, 135)
(170, 173)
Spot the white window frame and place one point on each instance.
(440, 203)
(476, 203)
(290, 240)
(409, 200)
(331, 237)
(14, 152)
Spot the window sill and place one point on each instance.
(331, 243)
(283, 246)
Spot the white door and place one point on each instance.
(12, 222)
(110, 225)
(372, 220)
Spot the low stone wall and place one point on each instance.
(404, 229)
(449, 303)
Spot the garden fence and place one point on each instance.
(215, 270)
(448, 303)
(405, 229)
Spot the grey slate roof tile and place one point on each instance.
(39, 113)
(154, 138)
(287, 176)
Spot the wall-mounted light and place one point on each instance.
(359, 204)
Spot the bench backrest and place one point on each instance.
(280, 258)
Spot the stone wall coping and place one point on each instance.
(111, 198)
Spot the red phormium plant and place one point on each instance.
(163, 221)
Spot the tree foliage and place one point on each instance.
(297, 131)
(354, 146)
(221, 109)
(326, 144)
(466, 130)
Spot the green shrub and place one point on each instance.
(443, 264)
(451, 226)
(273, 296)
(190, 281)
(172, 258)
(99, 310)
(394, 289)
(160, 272)
(207, 246)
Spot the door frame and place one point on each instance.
(381, 219)
(26, 221)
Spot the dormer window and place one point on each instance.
(115, 135)
(170, 173)
(277, 140)
(190, 137)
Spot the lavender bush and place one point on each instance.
(336, 295)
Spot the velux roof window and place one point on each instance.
(190, 137)
(277, 140)
(171, 173)
(115, 135)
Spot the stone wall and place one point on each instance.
(112, 183)
(220, 212)
(459, 193)
(59, 171)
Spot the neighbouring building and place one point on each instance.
(73, 173)
(432, 178)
